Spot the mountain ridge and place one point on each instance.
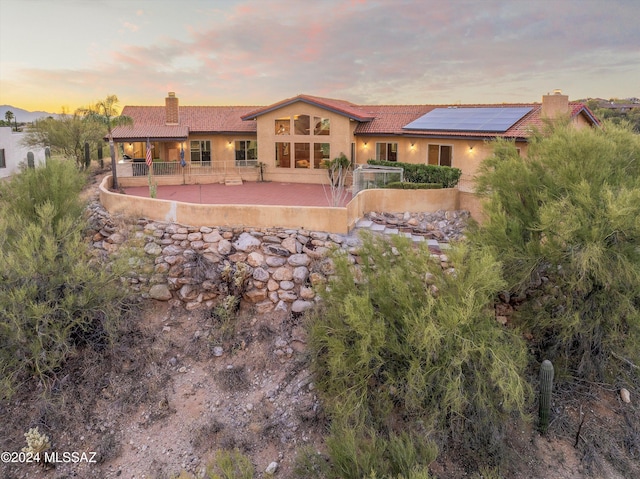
(24, 116)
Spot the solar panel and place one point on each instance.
(485, 119)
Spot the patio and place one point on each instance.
(249, 193)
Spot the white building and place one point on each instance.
(13, 154)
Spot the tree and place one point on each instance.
(397, 337)
(65, 136)
(106, 113)
(53, 297)
(9, 116)
(565, 222)
(338, 169)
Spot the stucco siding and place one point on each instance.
(15, 153)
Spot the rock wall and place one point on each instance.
(272, 269)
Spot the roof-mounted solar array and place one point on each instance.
(469, 119)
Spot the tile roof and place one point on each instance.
(338, 106)
(149, 121)
(389, 120)
(138, 132)
(379, 120)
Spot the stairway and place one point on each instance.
(232, 181)
(365, 224)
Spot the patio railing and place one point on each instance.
(173, 168)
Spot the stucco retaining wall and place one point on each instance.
(313, 218)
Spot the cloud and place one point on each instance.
(130, 26)
(381, 51)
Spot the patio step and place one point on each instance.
(434, 246)
(233, 181)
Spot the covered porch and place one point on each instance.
(190, 160)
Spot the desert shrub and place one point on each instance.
(397, 336)
(52, 297)
(357, 454)
(447, 176)
(365, 454)
(227, 464)
(230, 465)
(565, 222)
(58, 182)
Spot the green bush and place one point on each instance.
(403, 185)
(357, 454)
(226, 465)
(52, 298)
(565, 222)
(58, 183)
(416, 342)
(230, 465)
(417, 173)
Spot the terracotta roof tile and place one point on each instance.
(390, 119)
(379, 120)
(339, 106)
(149, 121)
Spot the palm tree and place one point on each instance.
(9, 116)
(106, 113)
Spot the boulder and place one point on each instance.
(299, 260)
(255, 259)
(300, 306)
(260, 274)
(247, 243)
(255, 295)
(300, 274)
(160, 292)
(275, 261)
(152, 249)
(224, 247)
(291, 245)
(283, 274)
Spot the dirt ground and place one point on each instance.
(166, 398)
(181, 385)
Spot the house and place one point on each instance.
(294, 136)
(13, 153)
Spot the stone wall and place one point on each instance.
(312, 218)
(271, 269)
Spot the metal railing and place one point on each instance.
(174, 168)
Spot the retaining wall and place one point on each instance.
(312, 218)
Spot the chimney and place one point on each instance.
(555, 105)
(171, 109)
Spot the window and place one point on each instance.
(201, 152)
(246, 153)
(301, 124)
(283, 125)
(322, 126)
(353, 155)
(439, 155)
(3, 163)
(283, 155)
(387, 151)
(302, 155)
(321, 153)
(305, 154)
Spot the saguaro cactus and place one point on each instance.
(546, 385)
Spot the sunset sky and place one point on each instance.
(57, 54)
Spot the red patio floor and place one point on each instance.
(249, 193)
